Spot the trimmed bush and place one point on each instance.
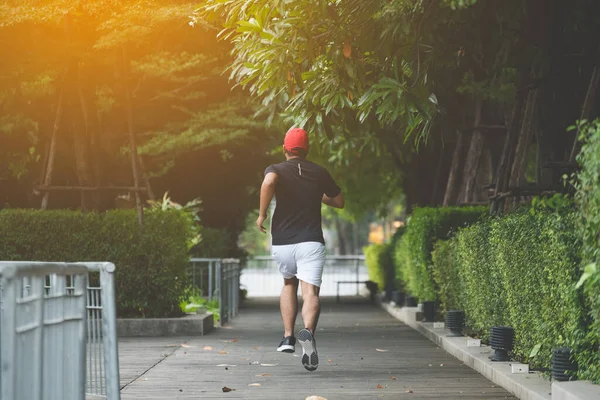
(379, 259)
(521, 271)
(587, 198)
(445, 275)
(151, 262)
(380, 264)
(413, 251)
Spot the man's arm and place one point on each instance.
(267, 190)
(337, 201)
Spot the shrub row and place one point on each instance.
(519, 270)
(413, 250)
(379, 259)
(151, 262)
(587, 199)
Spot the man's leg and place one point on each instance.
(288, 302)
(311, 259)
(311, 307)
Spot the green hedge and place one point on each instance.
(379, 259)
(150, 263)
(380, 264)
(413, 250)
(587, 198)
(521, 271)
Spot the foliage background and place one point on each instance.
(151, 263)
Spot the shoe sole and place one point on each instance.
(310, 358)
(287, 348)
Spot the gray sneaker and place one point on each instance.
(310, 358)
(287, 345)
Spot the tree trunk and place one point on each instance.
(473, 158)
(588, 103)
(80, 130)
(517, 175)
(91, 124)
(484, 174)
(126, 68)
(49, 167)
(513, 125)
(342, 237)
(436, 179)
(454, 176)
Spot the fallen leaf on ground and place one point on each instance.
(268, 365)
(329, 360)
(379, 387)
(256, 348)
(316, 398)
(394, 378)
(185, 346)
(263, 375)
(381, 350)
(254, 384)
(244, 359)
(222, 352)
(207, 348)
(409, 391)
(230, 341)
(226, 389)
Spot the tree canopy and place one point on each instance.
(68, 69)
(463, 82)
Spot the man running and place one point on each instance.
(300, 187)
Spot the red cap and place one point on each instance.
(296, 138)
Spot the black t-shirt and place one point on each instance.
(298, 195)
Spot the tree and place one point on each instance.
(396, 73)
(80, 60)
(345, 70)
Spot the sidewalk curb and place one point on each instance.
(530, 386)
(526, 387)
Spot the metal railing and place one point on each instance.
(100, 366)
(261, 276)
(42, 345)
(102, 348)
(219, 279)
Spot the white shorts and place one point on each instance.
(302, 260)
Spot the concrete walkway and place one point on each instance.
(364, 354)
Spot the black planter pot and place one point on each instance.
(428, 311)
(563, 369)
(501, 340)
(410, 301)
(389, 293)
(398, 298)
(455, 321)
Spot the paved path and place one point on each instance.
(364, 354)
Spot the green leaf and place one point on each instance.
(589, 271)
(535, 350)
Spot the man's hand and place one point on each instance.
(259, 223)
(336, 202)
